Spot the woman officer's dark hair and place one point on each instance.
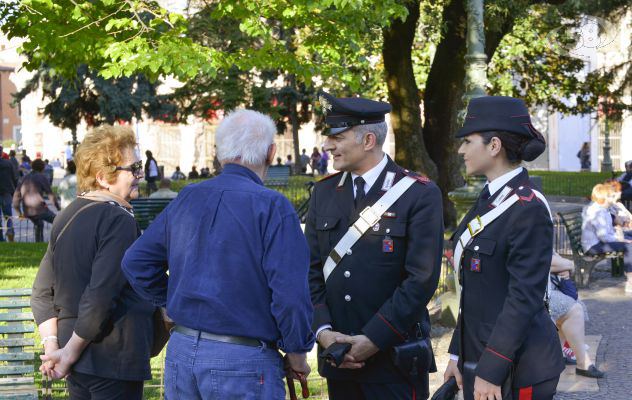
(511, 142)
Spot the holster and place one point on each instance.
(469, 375)
(414, 357)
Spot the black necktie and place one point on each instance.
(485, 194)
(359, 184)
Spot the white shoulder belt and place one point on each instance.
(479, 223)
(368, 217)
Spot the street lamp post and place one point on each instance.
(475, 82)
(606, 162)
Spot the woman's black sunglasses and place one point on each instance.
(136, 169)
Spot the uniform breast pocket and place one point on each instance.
(325, 227)
(479, 251)
(482, 246)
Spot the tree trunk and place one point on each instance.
(442, 102)
(296, 124)
(403, 94)
(73, 132)
(443, 98)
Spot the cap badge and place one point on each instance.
(325, 104)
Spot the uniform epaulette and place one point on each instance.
(525, 193)
(419, 178)
(330, 176)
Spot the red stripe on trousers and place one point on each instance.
(526, 393)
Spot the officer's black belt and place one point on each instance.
(244, 341)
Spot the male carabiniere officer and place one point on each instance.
(371, 276)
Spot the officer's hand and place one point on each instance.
(484, 390)
(361, 347)
(297, 363)
(328, 337)
(453, 370)
(564, 274)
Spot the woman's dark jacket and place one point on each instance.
(81, 283)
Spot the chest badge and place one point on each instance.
(387, 245)
(475, 264)
(376, 227)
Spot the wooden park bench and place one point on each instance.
(146, 210)
(17, 380)
(584, 264)
(278, 175)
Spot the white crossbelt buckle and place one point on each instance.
(475, 226)
(367, 219)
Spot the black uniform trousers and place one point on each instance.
(348, 390)
(92, 387)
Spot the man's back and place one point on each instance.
(238, 260)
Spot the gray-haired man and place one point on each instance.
(237, 285)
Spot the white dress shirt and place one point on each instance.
(370, 176)
(502, 180)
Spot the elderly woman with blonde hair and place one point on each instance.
(95, 329)
(598, 233)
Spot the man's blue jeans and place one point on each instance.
(205, 369)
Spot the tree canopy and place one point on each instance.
(272, 56)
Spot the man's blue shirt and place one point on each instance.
(237, 260)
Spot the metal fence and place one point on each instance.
(23, 229)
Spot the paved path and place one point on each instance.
(609, 334)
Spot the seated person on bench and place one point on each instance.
(621, 217)
(598, 233)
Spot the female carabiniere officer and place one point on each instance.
(505, 340)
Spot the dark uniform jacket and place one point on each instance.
(382, 295)
(506, 324)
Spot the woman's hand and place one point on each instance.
(50, 346)
(484, 390)
(453, 370)
(61, 361)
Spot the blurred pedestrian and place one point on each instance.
(49, 171)
(626, 182)
(288, 161)
(314, 161)
(194, 174)
(25, 167)
(164, 191)
(304, 160)
(584, 156)
(152, 173)
(178, 175)
(237, 275)
(29, 198)
(15, 163)
(8, 182)
(97, 332)
(67, 188)
(205, 173)
(324, 162)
